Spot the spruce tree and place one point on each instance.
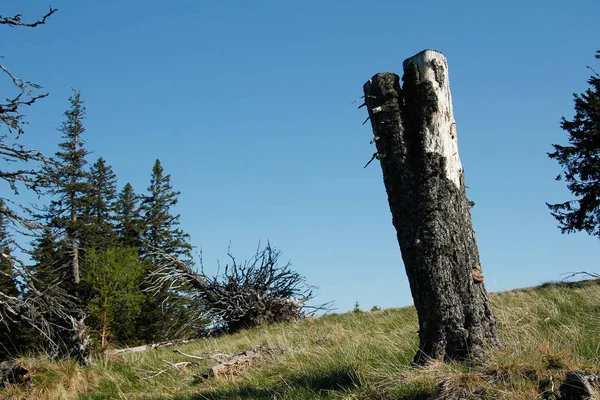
(580, 161)
(129, 224)
(100, 210)
(161, 232)
(50, 258)
(166, 312)
(68, 184)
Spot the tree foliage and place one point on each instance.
(128, 220)
(166, 313)
(100, 209)
(161, 230)
(114, 275)
(67, 181)
(581, 163)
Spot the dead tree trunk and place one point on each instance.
(415, 135)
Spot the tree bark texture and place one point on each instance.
(415, 136)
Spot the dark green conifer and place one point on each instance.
(68, 184)
(580, 161)
(100, 210)
(166, 313)
(161, 227)
(129, 224)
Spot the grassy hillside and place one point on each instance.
(545, 331)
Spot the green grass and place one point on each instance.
(366, 355)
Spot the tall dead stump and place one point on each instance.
(415, 135)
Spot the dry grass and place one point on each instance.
(545, 332)
(52, 380)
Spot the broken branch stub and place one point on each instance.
(424, 180)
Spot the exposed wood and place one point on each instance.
(12, 372)
(138, 349)
(237, 363)
(215, 356)
(226, 366)
(579, 385)
(80, 348)
(415, 136)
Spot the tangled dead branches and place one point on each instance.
(256, 292)
(45, 306)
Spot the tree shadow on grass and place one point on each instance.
(311, 385)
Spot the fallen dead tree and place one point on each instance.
(256, 292)
(226, 366)
(146, 347)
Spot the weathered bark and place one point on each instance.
(80, 346)
(75, 261)
(415, 135)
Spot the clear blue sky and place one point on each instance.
(247, 105)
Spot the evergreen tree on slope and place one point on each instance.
(581, 163)
(68, 184)
(100, 210)
(166, 313)
(161, 231)
(129, 225)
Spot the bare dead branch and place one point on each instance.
(371, 160)
(17, 21)
(146, 347)
(571, 274)
(211, 357)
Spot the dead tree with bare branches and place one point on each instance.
(41, 304)
(258, 291)
(20, 166)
